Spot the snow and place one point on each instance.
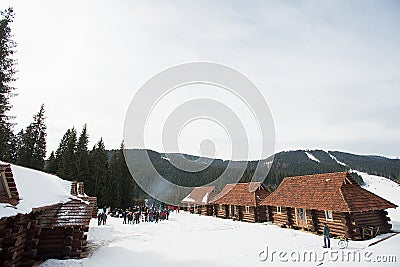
(188, 199)
(36, 189)
(311, 156)
(335, 159)
(192, 240)
(165, 158)
(205, 198)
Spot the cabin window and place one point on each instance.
(247, 209)
(279, 209)
(220, 206)
(329, 215)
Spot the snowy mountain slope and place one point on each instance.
(312, 157)
(335, 159)
(36, 189)
(387, 189)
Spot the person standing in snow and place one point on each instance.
(104, 218)
(99, 218)
(124, 214)
(327, 231)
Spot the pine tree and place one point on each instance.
(51, 166)
(65, 156)
(128, 184)
(115, 181)
(121, 180)
(99, 173)
(32, 147)
(82, 156)
(7, 77)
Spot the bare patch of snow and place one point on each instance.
(337, 161)
(205, 198)
(168, 159)
(188, 199)
(311, 156)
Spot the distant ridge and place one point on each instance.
(286, 163)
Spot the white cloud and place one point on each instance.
(328, 69)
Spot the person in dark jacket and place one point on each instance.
(327, 231)
(104, 218)
(124, 215)
(99, 218)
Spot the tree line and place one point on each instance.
(28, 146)
(107, 179)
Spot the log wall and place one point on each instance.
(62, 243)
(18, 240)
(222, 211)
(207, 210)
(359, 220)
(342, 224)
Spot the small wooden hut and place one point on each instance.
(242, 202)
(63, 230)
(306, 202)
(201, 197)
(78, 189)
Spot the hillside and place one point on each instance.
(287, 163)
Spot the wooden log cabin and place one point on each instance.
(242, 202)
(306, 202)
(36, 225)
(201, 197)
(78, 189)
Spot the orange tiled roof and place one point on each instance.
(242, 194)
(329, 191)
(200, 195)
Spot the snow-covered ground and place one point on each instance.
(192, 240)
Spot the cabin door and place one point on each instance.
(232, 211)
(301, 217)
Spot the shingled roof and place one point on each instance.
(75, 212)
(200, 195)
(330, 191)
(242, 194)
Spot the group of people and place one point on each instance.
(137, 214)
(102, 217)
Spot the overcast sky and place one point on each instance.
(330, 70)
